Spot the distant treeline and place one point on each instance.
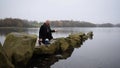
(10, 22)
(108, 25)
(68, 23)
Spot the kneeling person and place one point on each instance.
(45, 33)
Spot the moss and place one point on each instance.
(4, 61)
(19, 47)
(59, 45)
(45, 49)
(62, 44)
(90, 35)
(75, 40)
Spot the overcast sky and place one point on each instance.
(95, 11)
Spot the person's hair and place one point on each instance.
(47, 22)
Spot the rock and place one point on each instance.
(61, 48)
(90, 35)
(19, 47)
(62, 44)
(4, 61)
(45, 49)
(75, 39)
(45, 61)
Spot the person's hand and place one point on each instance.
(56, 30)
(40, 39)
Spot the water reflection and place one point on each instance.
(5, 31)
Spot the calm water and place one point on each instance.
(103, 51)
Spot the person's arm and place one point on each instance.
(53, 31)
(40, 33)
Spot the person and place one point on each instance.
(45, 32)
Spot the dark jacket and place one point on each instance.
(45, 32)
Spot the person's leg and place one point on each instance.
(43, 41)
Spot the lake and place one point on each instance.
(103, 51)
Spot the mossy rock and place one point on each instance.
(45, 49)
(4, 61)
(19, 47)
(75, 40)
(90, 35)
(59, 45)
(62, 44)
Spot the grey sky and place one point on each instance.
(95, 11)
